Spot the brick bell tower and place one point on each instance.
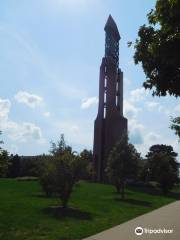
(110, 123)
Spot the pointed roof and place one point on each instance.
(112, 27)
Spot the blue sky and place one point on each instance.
(50, 53)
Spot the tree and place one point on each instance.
(1, 142)
(47, 177)
(87, 157)
(122, 164)
(4, 163)
(14, 166)
(4, 160)
(158, 48)
(175, 125)
(163, 167)
(63, 172)
(60, 147)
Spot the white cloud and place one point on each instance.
(152, 105)
(89, 102)
(31, 100)
(77, 132)
(177, 108)
(164, 110)
(17, 131)
(136, 131)
(23, 132)
(130, 111)
(5, 106)
(138, 94)
(127, 82)
(46, 114)
(152, 137)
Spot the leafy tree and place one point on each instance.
(87, 157)
(158, 48)
(60, 147)
(163, 167)
(4, 163)
(4, 160)
(122, 164)
(1, 142)
(176, 126)
(47, 177)
(14, 166)
(63, 172)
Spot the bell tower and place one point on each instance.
(110, 124)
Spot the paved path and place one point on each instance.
(167, 217)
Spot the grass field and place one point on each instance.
(26, 214)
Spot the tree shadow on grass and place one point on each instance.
(61, 213)
(155, 192)
(135, 202)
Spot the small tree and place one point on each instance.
(47, 177)
(69, 169)
(61, 174)
(163, 167)
(60, 147)
(4, 163)
(122, 164)
(87, 157)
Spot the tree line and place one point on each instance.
(59, 171)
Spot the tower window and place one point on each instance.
(105, 112)
(105, 83)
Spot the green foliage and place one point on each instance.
(4, 163)
(175, 125)
(158, 48)
(60, 175)
(162, 166)
(87, 156)
(1, 142)
(14, 166)
(47, 177)
(60, 147)
(122, 164)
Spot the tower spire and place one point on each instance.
(111, 27)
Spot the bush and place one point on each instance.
(61, 174)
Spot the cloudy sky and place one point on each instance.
(50, 53)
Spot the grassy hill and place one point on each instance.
(25, 213)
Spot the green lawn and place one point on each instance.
(26, 214)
